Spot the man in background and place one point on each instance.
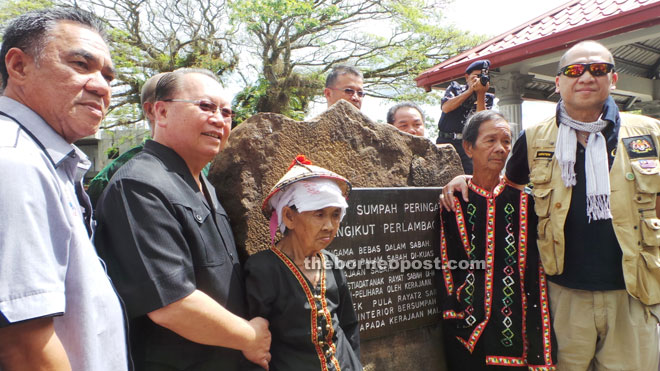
(344, 82)
(407, 117)
(461, 101)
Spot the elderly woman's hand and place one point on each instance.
(458, 184)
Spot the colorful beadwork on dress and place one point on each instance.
(449, 281)
(490, 252)
(509, 260)
(522, 264)
(508, 288)
(313, 311)
(505, 361)
(470, 277)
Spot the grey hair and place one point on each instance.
(29, 32)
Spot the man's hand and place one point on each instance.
(32, 346)
(258, 350)
(479, 88)
(458, 184)
(199, 318)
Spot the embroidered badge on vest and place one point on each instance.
(640, 146)
(544, 154)
(648, 164)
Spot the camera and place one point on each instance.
(484, 79)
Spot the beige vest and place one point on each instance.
(634, 183)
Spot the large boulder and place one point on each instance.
(341, 139)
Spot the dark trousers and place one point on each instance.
(458, 145)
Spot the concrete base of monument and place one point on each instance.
(419, 349)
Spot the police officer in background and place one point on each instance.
(459, 102)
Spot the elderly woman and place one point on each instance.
(294, 284)
(495, 308)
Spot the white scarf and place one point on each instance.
(596, 166)
(308, 195)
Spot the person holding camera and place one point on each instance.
(461, 101)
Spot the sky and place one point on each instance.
(486, 17)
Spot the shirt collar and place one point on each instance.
(52, 143)
(172, 160)
(610, 112)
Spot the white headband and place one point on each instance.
(307, 195)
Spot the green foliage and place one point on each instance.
(390, 41)
(285, 47)
(12, 8)
(152, 36)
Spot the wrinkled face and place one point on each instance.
(337, 92)
(586, 94)
(492, 146)
(69, 85)
(409, 120)
(315, 230)
(195, 134)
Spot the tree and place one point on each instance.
(285, 47)
(12, 8)
(152, 36)
(295, 43)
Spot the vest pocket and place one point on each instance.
(648, 276)
(541, 171)
(646, 180)
(651, 235)
(542, 198)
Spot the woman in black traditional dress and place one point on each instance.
(496, 315)
(295, 284)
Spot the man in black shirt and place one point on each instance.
(168, 244)
(459, 102)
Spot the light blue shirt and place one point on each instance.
(48, 264)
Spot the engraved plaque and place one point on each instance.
(387, 247)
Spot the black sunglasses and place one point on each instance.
(578, 69)
(206, 106)
(349, 91)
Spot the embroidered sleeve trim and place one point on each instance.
(490, 251)
(522, 265)
(505, 361)
(449, 281)
(545, 316)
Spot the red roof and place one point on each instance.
(556, 30)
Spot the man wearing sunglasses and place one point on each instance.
(168, 243)
(458, 103)
(596, 178)
(344, 82)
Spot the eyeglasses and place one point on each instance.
(578, 69)
(206, 106)
(349, 91)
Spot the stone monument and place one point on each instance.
(370, 155)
